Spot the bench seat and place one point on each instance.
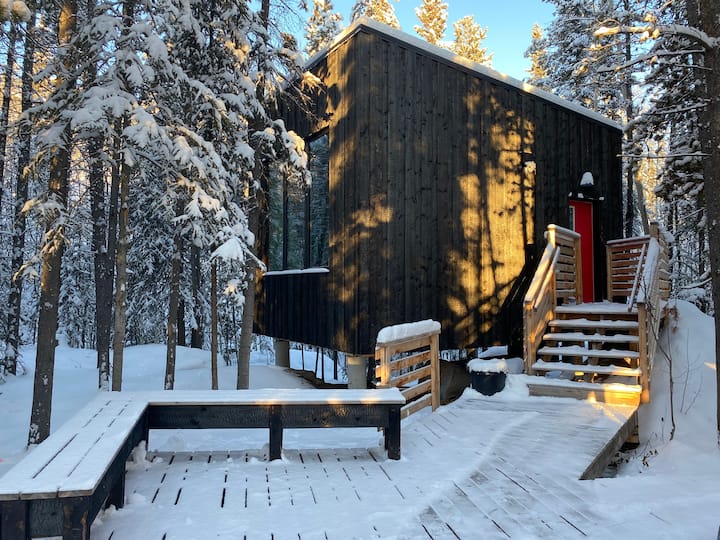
(60, 487)
(63, 483)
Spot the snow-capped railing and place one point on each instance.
(638, 271)
(625, 263)
(653, 290)
(559, 275)
(407, 357)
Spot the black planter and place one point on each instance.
(488, 383)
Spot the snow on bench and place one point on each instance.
(59, 488)
(279, 409)
(269, 396)
(73, 458)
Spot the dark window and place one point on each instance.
(299, 214)
(275, 208)
(319, 152)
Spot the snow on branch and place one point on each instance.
(16, 10)
(653, 31)
(651, 57)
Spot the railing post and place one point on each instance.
(408, 357)
(435, 370)
(643, 360)
(609, 272)
(551, 235)
(383, 367)
(578, 271)
(528, 331)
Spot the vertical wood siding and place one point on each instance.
(435, 206)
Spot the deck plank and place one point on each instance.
(512, 477)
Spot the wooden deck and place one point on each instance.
(513, 472)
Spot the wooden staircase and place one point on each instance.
(595, 351)
(590, 351)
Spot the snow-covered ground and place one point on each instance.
(676, 479)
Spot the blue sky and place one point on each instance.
(509, 23)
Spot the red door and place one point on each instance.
(581, 213)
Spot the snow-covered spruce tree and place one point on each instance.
(149, 258)
(13, 36)
(322, 26)
(432, 15)
(281, 150)
(109, 111)
(24, 136)
(469, 37)
(104, 216)
(583, 68)
(703, 34)
(76, 320)
(55, 148)
(572, 56)
(537, 53)
(380, 10)
(669, 117)
(223, 131)
(710, 138)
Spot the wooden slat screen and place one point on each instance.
(411, 364)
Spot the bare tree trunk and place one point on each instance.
(104, 229)
(123, 245)
(710, 138)
(104, 240)
(181, 337)
(12, 338)
(120, 196)
(256, 220)
(196, 337)
(629, 116)
(6, 99)
(213, 326)
(52, 253)
(243, 367)
(248, 313)
(174, 301)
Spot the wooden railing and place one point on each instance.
(559, 276)
(638, 270)
(625, 262)
(407, 357)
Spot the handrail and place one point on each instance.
(549, 275)
(541, 298)
(544, 269)
(622, 265)
(641, 263)
(646, 295)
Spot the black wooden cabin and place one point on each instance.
(434, 181)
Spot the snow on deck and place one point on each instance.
(478, 468)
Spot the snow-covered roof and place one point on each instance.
(450, 57)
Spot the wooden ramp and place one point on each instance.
(478, 468)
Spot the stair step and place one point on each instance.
(541, 365)
(617, 394)
(576, 350)
(596, 308)
(599, 325)
(591, 338)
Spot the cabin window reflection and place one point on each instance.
(319, 153)
(299, 213)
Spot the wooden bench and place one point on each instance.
(60, 487)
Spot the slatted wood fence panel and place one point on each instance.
(411, 364)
